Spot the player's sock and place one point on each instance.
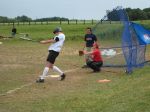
(55, 68)
(45, 71)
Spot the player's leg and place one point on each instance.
(94, 65)
(49, 64)
(62, 74)
(97, 66)
(45, 72)
(55, 68)
(86, 57)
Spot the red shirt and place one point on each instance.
(97, 55)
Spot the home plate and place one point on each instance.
(54, 75)
(104, 80)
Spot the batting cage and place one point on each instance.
(123, 43)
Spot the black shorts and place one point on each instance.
(52, 56)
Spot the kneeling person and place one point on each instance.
(97, 61)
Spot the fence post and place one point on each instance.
(60, 21)
(101, 21)
(13, 24)
(84, 21)
(68, 22)
(92, 22)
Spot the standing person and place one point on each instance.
(13, 31)
(89, 39)
(54, 49)
(97, 61)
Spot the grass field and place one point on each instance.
(21, 62)
(38, 32)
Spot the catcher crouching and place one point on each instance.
(96, 61)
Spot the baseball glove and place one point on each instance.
(81, 53)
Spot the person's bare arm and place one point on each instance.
(85, 52)
(47, 41)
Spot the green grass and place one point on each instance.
(21, 62)
(73, 32)
(38, 32)
(80, 92)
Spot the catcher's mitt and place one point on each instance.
(81, 53)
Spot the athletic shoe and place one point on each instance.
(85, 66)
(98, 70)
(62, 77)
(40, 81)
(95, 71)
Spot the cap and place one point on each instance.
(56, 30)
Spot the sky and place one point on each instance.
(72, 9)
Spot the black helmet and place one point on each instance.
(56, 30)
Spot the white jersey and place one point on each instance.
(57, 45)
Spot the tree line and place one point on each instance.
(134, 14)
(138, 14)
(24, 18)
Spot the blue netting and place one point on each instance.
(133, 51)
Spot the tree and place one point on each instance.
(23, 18)
(52, 19)
(134, 14)
(3, 19)
(112, 15)
(146, 10)
(137, 14)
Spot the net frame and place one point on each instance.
(133, 52)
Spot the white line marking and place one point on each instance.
(29, 84)
(26, 85)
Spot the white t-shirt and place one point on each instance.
(57, 45)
